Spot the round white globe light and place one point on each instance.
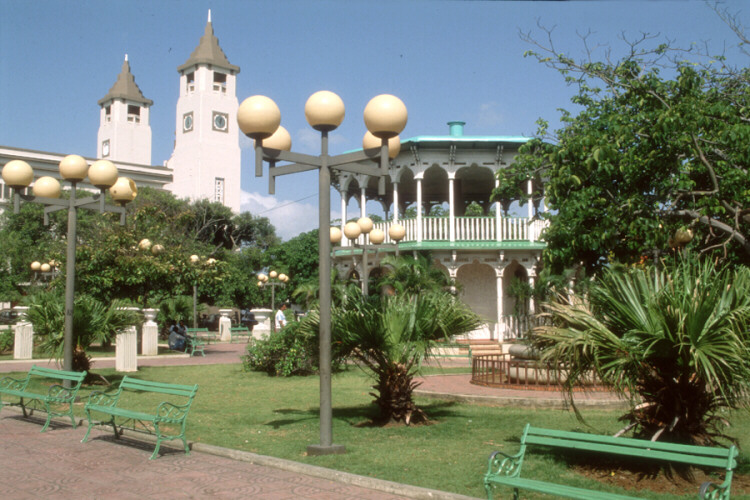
(258, 117)
(365, 224)
(352, 230)
(45, 268)
(279, 140)
(124, 190)
(103, 174)
(324, 110)
(47, 187)
(73, 168)
(18, 174)
(194, 259)
(273, 274)
(144, 244)
(35, 266)
(335, 235)
(396, 232)
(377, 236)
(385, 116)
(369, 141)
(157, 249)
(283, 277)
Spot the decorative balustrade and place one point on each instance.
(467, 229)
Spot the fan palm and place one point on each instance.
(675, 342)
(392, 336)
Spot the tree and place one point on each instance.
(673, 342)
(647, 156)
(409, 275)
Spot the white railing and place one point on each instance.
(468, 229)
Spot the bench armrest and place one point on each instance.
(60, 393)
(12, 384)
(100, 398)
(168, 412)
(501, 464)
(713, 491)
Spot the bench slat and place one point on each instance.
(559, 490)
(58, 374)
(628, 451)
(632, 442)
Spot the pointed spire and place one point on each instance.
(125, 88)
(209, 52)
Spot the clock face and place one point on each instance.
(220, 121)
(187, 122)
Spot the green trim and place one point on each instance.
(408, 246)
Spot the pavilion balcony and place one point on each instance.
(468, 229)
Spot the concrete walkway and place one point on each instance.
(55, 464)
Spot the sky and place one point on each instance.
(446, 60)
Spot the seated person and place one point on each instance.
(178, 336)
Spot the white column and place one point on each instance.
(362, 213)
(451, 211)
(126, 351)
(532, 282)
(500, 299)
(225, 325)
(23, 341)
(498, 216)
(150, 335)
(529, 190)
(395, 202)
(419, 210)
(344, 241)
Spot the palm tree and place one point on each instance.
(411, 275)
(675, 342)
(392, 336)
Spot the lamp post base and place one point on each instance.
(316, 450)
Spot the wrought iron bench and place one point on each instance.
(505, 470)
(57, 402)
(195, 344)
(240, 332)
(203, 333)
(167, 420)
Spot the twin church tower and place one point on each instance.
(206, 159)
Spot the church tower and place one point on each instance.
(124, 128)
(206, 159)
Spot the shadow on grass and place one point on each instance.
(360, 415)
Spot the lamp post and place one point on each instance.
(259, 118)
(44, 271)
(364, 226)
(273, 279)
(195, 260)
(46, 191)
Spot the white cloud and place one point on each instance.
(490, 114)
(290, 218)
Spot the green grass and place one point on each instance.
(279, 417)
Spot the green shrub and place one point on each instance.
(6, 340)
(283, 354)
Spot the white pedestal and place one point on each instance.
(263, 328)
(225, 325)
(150, 336)
(126, 352)
(23, 342)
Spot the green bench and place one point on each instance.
(240, 332)
(194, 344)
(167, 419)
(505, 470)
(57, 402)
(203, 333)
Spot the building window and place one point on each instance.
(108, 113)
(134, 113)
(220, 121)
(219, 190)
(187, 122)
(190, 82)
(220, 82)
(105, 148)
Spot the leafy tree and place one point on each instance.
(409, 275)
(674, 342)
(646, 156)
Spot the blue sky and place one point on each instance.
(447, 60)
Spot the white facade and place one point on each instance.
(124, 123)
(206, 159)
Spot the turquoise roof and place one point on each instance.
(468, 138)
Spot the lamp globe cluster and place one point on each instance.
(364, 225)
(18, 174)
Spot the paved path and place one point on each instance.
(55, 464)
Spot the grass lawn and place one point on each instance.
(279, 417)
